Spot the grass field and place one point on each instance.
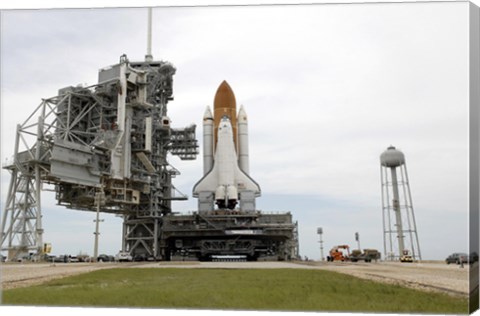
(249, 289)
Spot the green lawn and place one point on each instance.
(249, 289)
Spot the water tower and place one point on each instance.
(399, 228)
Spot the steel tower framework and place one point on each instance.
(399, 226)
(112, 137)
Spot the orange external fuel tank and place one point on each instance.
(224, 104)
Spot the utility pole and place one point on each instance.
(100, 200)
(149, 56)
(320, 233)
(357, 238)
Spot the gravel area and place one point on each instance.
(15, 275)
(437, 277)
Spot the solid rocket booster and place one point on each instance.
(207, 141)
(243, 140)
(226, 157)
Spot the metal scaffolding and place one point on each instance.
(113, 136)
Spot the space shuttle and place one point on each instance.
(226, 181)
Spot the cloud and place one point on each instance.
(326, 88)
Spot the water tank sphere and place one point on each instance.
(392, 157)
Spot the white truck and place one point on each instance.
(123, 256)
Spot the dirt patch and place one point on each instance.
(432, 277)
(16, 275)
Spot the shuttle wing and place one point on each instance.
(245, 183)
(210, 182)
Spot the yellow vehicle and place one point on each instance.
(406, 257)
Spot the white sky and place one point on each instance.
(327, 88)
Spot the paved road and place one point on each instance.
(439, 277)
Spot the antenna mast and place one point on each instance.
(148, 56)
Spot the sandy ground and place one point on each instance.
(437, 277)
(15, 275)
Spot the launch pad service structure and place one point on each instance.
(103, 148)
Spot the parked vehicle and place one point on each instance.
(52, 258)
(406, 256)
(123, 256)
(140, 257)
(64, 258)
(49, 258)
(458, 258)
(336, 253)
(105, 258)
(24, 258)
(368, 255)
(84, 258)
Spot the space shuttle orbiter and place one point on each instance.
(226, 179)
